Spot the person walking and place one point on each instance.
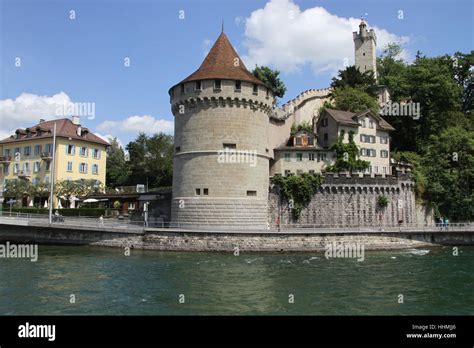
(446, 223)
(101, 221)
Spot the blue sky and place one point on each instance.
(84, 57)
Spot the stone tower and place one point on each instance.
(221, 159)
(365, 45)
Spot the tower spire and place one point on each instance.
(222, 26)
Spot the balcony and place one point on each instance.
(46, 156)
(5, 159)
(23, 174)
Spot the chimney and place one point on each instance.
(76, 120)
(41, 120)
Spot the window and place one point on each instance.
(362, 122)
(16, 168)
(255, 88)
(324, 122)
(26, 168)
(177, 149)
(363, 152)
(310, 141)
(287, 157)
(37, 150)
(17, 151)
(323, 156)
(95, 169)
(311, 171)
(83, 168)
(298, 141)
(311, 156)
(362, 138)
(198, 192)
(383, 153)
(376, 169)
(27, 150)
(182, 88)
(46, 179)
(383, 140)
(6, 168)
(205, 192)
(373, 153)
(238, 85)
(48, 149)
(48, 166)
(6, 152)
(37, 167)
(384, 170)
(35, 180)
(325, 136)
(217, 84)
(299, 157)
(287, 172)
(229, 146)
(299, 172)
(96, 153)
(69, 166)
(197, 86)
(251, 193)
(84, 152)
(71, 150)
(371, 124)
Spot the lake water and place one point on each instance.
(105, 281)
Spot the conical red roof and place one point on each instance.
(222, 62)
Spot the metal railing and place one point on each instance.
(76, 221)
(124, 225)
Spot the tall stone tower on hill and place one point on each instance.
(365, 46)
(221, 159)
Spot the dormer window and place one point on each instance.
(217, 85)
(324, 122)
(182, 88)
(255, 88)
(310, 141)
(197, 86)
(298, 141)
(238, 85)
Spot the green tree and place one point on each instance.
(347, 156)
(449, 167)
(118, 170)
(271, 79)
(151, 160)
(353, 99)
(352, 77)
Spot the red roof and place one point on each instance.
(220, 64)
(64, 128)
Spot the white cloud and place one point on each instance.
(134, 124)
(27, 109)
(285, 37)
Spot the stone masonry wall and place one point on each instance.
(352, 201)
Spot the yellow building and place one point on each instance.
(28, 154)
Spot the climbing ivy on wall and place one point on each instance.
(298, 190)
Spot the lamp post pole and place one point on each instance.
(51, 189)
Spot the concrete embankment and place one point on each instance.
(22, 231)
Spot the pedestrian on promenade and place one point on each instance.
(101, 221)
(440, 223)
(278, 223)
(446, 223)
